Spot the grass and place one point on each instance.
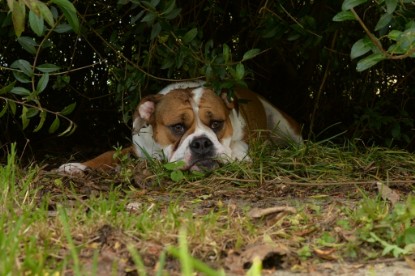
(138, 220)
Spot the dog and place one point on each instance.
(189, 122)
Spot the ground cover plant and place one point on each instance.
(291, 209)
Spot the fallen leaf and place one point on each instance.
(262, 212)
(387, 193)
(348, 235)
(326, 254)
(133, 207)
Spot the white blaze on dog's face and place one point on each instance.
(192, 125)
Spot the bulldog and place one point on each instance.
(189, 122)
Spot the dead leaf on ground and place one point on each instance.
(347, 235)
(387, 193)
(133, 207)
(262, 212)
(327, 254)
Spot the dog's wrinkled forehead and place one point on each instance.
(175, 99)
(193, 100)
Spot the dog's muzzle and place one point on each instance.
(203, 154)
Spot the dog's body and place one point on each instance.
(190, 122)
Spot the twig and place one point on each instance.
(320, 90)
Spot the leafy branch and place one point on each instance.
(24, 71)
(29, 111)
(400, 38)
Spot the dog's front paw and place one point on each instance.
(72, 168)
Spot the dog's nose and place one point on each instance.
(201, 146)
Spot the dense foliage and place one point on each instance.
(338, 68)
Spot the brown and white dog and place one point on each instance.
(188, 121)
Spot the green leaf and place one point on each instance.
(28, 43)
(250, 54)
(46, 13)
(173, 14)
(155, 30)
(7, 88)
(240, 71)
(69, 130)
(170, 7)
(177, 175)
(174, 165)
(36, 23)
(208, 72)
(42, 117)
(31, 112)
(391, 5)
(48, 68)
(154, 3)
(25, 119)
(4, 109)
(231, 71)
(344, 16)
(394, 35)
(148, 5)
(24, 66)
(149, 18)
(407, 39)
(190, 35)
(21, 77)
(69, 12)
(21, 91)
(43, 82)
(226, 53)
(68, 109)
(55, 125)
(18, 17)
(369, 61)
(361, 47)
(12, 106)
(409, 235)
(384, 20)
(62, 28)
(349, 4)
(167, 63)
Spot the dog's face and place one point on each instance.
(192, 125)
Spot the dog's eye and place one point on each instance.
(216, 125)
(178, 129)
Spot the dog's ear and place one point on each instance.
(143, 114)
(229, 99)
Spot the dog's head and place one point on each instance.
(189, 124)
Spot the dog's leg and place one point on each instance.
(102, 162)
